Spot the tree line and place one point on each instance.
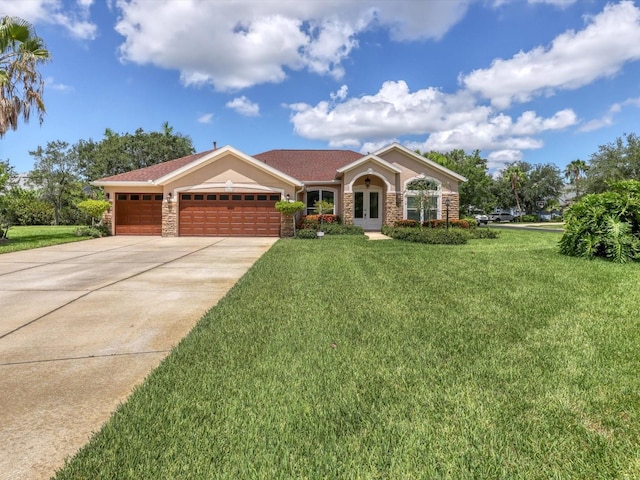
(62, 173)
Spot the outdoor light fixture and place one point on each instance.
(367, 182)
(288, 197)
(107, 195)
(169, 196)
(447, 202)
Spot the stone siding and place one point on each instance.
(454, 206)
(286, 226)
(169, 219)
(392, 208)
(347, 209)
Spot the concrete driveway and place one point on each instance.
(82, 323)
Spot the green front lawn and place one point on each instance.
(25, 238)
(348, 358)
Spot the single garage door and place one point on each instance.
(229, 215)
(138, 214)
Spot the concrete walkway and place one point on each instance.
(81, 324)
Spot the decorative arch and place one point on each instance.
(422, 198)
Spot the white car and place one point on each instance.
(481, 218)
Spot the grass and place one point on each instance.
(355, 359)
(25, 238)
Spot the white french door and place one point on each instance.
(367, 208)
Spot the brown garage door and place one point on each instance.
(229, 215)
(138, 214)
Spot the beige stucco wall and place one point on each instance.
(412, 168)
(229, 173)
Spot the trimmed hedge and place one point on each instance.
(433, 236)
(330, 229)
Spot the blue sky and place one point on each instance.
(545, 81)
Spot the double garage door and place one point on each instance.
(228, 215)
(201, 214)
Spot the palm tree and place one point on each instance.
(515, 175)
(21, 85)
(575, 172)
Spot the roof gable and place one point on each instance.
(397, 147)
(370, 158)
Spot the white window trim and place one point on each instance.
(320, 189)
(432, 193)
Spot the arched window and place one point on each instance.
(422, 199)
(320, 194)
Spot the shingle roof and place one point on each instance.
(155, 171)
(309, 165)
(304, 165)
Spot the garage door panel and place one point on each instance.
(238, 214)
(138, 214)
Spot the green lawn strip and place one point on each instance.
(25, 238)
(348, 358)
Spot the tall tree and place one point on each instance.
(475, 193)
(516, 176)
(575, 172)
(21, 84)
(615, 161)
(55, 172)
(121, 153)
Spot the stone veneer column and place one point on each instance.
(454, 206)
(347, 208)
(107, 219)
(392, 210)
(169, 219)
(286, 225)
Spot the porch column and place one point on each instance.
(347, 208)
(392, 208)
(454, 205)
(169, 219)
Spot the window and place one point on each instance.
(262, 198)
(422, 196)
(122, 196)
(186, 196)
(211, 197)
(236, 197)
(198, 197)
(314, 195)
(134, 197)
(158, 197)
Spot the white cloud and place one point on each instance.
(75, 19)
(50, 83)
(499, 159)
(234, 45)
(205, 118)
(607, 119)
(244, 106)
(574, 59)
(450, 121)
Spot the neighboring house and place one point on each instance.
(225, 192)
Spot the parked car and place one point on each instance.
(501, 217)
(481, 218)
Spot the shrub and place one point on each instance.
(529, 218)
(306, 233)
(313, 221)
(289, 208)
(472, 222)
(406, 223)
(96, 231)
(94, 209)
(605, 225)
(443, 223)
(433, 236)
